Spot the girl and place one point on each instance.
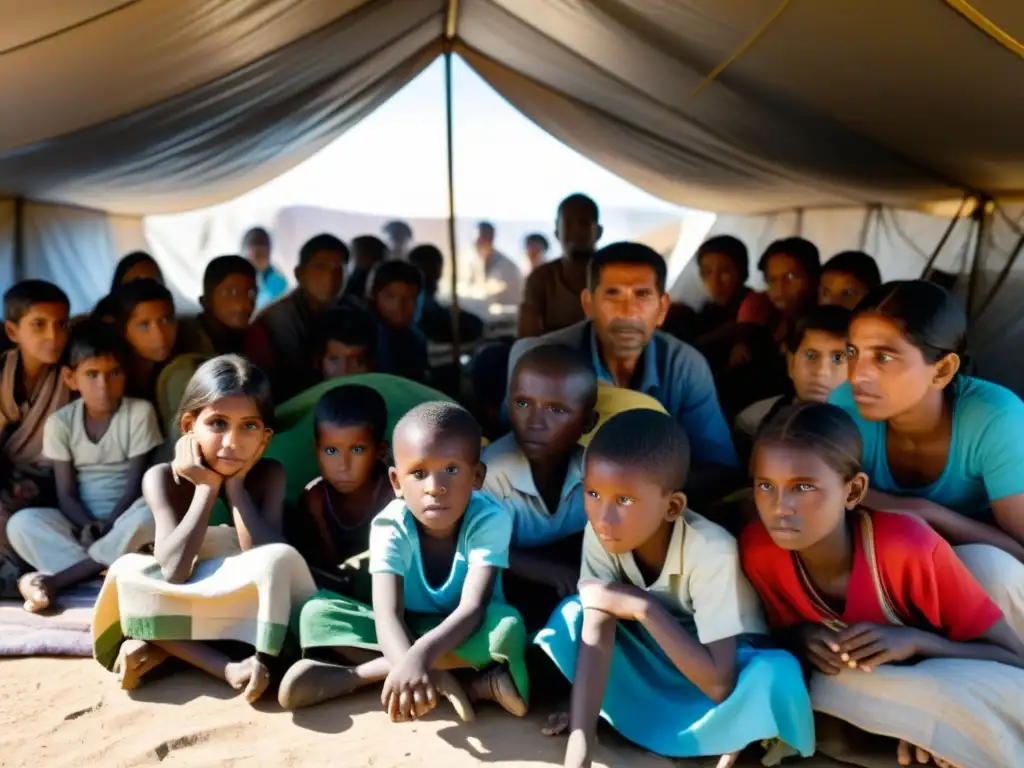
(847, 278)
(937, 443)
(137, 265)
(232, 584)
(144, 316)
(858, 590)
(655, 643)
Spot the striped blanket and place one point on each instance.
(247, 597)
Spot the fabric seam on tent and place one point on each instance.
(70, 28)
(986, 26)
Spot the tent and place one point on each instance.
(791, 114)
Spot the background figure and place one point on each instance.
(271, 284)
(435, 319)
(494, 276)
(367, 252)
(536, 249)
(398, 236)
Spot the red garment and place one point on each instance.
(757, 309)
(258, 348)
(925, 582)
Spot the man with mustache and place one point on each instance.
(625, 303)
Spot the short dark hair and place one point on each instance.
(833, 320)
(369, 246)
(352, 405)
(627, 253)
(322, 242)
(584, 202)
(227, 376)
(485, 227)
(730, 247)
(397, 229)
(128, 262)
(92, 339)
(256, 236)
(430, 260)
(392, 271)
(857, 264)
(222, 267)
(648, 441)
(20, 297)
(823, 429)
(536, 238)
(348, 325)
(127, 297)
(443, 420)
(561, 361)
(804, 251)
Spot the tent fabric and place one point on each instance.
(157, 106)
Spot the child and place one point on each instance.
(435, 319)
(205, 583)
(536, 473)
(436, 555)
(654, 643)
(144, 316)
(392, 292)
(346, 343)
(100, 446)
(816, 362)
(31, 389)
(137, 265)
(857, 590)
(228, 300)
(335, 510)
(847, 278)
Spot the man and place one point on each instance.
(398, 237)
(270, 283)
(551, 299)
(495, 277)
(625, 302)
(282, 338)
(536, 250)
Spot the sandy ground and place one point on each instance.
(70, 712)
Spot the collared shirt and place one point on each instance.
(509, 481)
(701, 582)
(673, 373)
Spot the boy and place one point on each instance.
(816, 363)
(436, 555)
(100, 447)
(271, 284)
(847, 278)
(536, 474)
(655, 642)
(346, 343)
(228, 301)
(31, 388)
(393, 290)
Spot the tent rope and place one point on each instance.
(744, 47)
(987, 26)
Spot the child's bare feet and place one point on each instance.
(450, 688)
(250, 676)
(908, 754)
(558, 722)
(134, 659)
(308, 682)
(496, 684)
(36, 591)
(728, 761)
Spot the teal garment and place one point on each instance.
(484, 538)
(986, 452)
(294, 444)
(270, 286)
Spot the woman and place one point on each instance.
(937, 443)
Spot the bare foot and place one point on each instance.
(558, 723)
(36, 591)
(308, 682)
(728, 761)
(908, 754)
(134, 659)
(775, 751)
(250, 676)
(496, 684)
(453, 691)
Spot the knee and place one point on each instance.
(20, 526)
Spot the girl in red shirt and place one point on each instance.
(857, 591)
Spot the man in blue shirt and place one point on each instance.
(270, 283)
(625, 303)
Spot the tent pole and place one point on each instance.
(1011, 259)
(18, 267)
(981, 215)
(942, 240)
(452, 240)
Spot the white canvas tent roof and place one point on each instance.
(747, 107)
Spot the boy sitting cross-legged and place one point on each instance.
(100, 446)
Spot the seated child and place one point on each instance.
(847, 278)
(856, 591)
(536, 473)
(815, 361)
(392, 293)
(144, 316)
(137, 265)
(655, 641)
(436, 555)
(435, 319)
(204, 584)
(346, 343)
(335, 510)
(367, 252)
(100, 446)
(228, 300)
(31, 389)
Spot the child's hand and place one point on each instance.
(619, 600)
(409, 690)
(188, 463)
(821, 647)
(867, 646)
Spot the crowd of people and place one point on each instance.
(789, 520)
